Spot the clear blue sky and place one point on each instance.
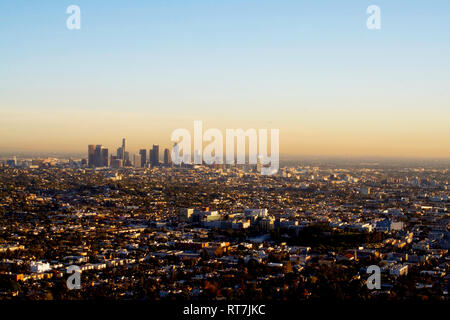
(280, 62)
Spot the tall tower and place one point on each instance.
(166, 157)
(154, 156)
(98, 159)
(123, 148)
(91, 151)
(105, 158)
(137, 163)
(143, 153)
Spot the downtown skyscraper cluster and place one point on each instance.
(99, 157)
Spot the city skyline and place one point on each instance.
(98, 156)
(136, 149)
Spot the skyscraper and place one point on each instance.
(154, 156)
(166, 157)
(116, 163)
(123, 148)
(150, 157)
(137, 163)
(91, 151)
(126, 159)
(121, 153)
(105, 158)
(98, 158)
(143, 154)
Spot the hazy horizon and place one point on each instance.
(324, 159)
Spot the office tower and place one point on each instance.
(105, 158)
(150, 157)
(91, 151)
(126, 159)
(154, 156)
(98, 159)
(123, 148)
(143, 154)
(166, 157)
(116, 163)
(137, 161)
(121, 153)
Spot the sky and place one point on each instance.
(312, 69)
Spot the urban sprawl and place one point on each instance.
(142, 228)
